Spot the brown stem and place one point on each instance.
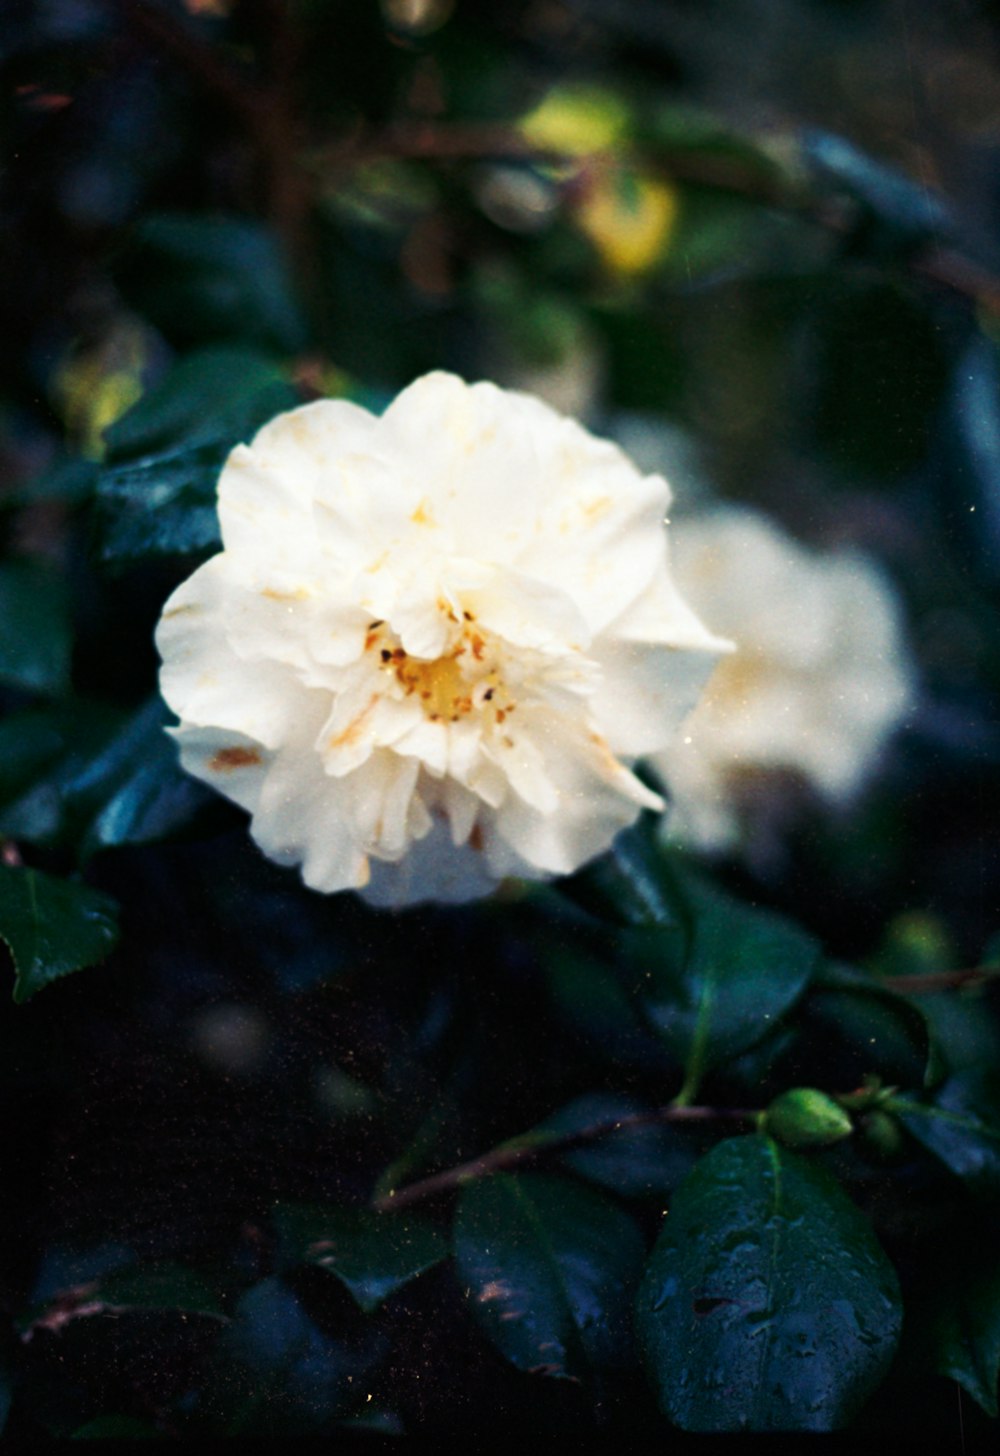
(202, 61)
(266, 110)
(513, 1155)
(428, 141)
(927, 982)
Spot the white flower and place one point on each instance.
(819, 680)
(431, 642)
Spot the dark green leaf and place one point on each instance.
(165, 507)
(970, 431)
(156, 496)
(159, 1286)
(629, 885)
(897, 214)
(108, 1428)
(281, 1373)
(859, 1026)
(767, 1303)
(209, 398)
(958, 1329)
(649, 1158)
(163, 1286)
(201, 277)
(136, 786)
(961, 1127)
(35, 633)
(591, 992)
(550, 1268)
(44, 753)
(372, 1254)
(30, 742)
(741, 971)
(52, 927)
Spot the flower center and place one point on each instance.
(466, 679)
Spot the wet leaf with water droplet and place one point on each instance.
(767, 1303)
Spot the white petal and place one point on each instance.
(204, 681)
(435, 869)
(645, 693)
(597, 797)
(230, 762)
(304, 815)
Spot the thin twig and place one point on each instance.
(514, 1154)
(927, 982)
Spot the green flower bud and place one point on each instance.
(881, 1137)
(804, 1117)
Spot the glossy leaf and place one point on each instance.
(740, 972)
(48, 752)
(209, 396)
(35, 632)
(136, 787)
(550, 1269)
(638, 1160)
(767, 1303)
(372, 1254)
(630, 885)
(156, 495)
(961, 1127)
(52, 926)
(281, 1373)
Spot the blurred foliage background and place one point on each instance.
(757, 242)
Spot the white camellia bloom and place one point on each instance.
(819, 680)
(432, 642)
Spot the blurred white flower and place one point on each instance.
(819, 679)
(432, 642)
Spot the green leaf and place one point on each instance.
(281, 1374)
(629, 885)
(52, 927)
(550, 1269)
(741, 971)
(858, 1026)
(372, 1254)
(35, 632)
(135, 787)
(208, 398)
(44, 753)
(897, 214)
(113, 1427)
(959, 1327)
(961, 1127)
(156, 496)
(200, 278)
(157, 1286)
(711, 976)
(767, 1303)
(636, 1161)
